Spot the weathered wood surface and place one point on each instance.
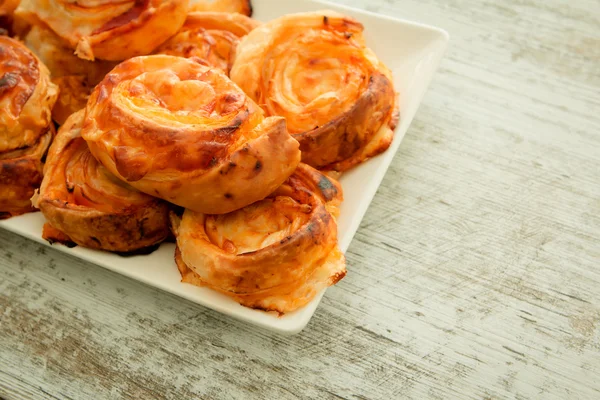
(475, 275)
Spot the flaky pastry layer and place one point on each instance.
(315, 70)
(89, 206)
(21, 173)
(182, 131)
(275, 254)
(26, 96)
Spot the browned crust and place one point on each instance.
(19, 74)
(108, 31)
(348, 133)
(202, 166)
(279, 277)
(345, 124)
(56, 54)
(126, 231)
(137, 32)
(124, 227)
(7, 8)
(26, 98)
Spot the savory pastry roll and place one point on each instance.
(210, 36)
(275, 254)
(85, 204)
(75, 77)
(315, 70)
(26, 98)
(108, 29)
(181, 131)
(230, 6)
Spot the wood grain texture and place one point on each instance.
(475, 274)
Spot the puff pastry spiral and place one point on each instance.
(315, 70)
(210, 36)
(275, 254)
(26, 98)
(83, 201)
(181, 131)
(108, 29)
(7, 7)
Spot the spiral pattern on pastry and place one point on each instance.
(108, 29)
(26, 98)
(210, 36)
(230, 6)
(82, 200)
(181, 131)
(315, 70)
(275, 254)
(73, 96)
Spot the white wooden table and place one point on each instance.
(475, 275)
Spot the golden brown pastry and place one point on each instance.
(21, 173)
(315, 70)
(275, 254)
(26, 98)
(75, 77)
(83, 203)
(231, 6)
(74, 94)
(108, 29)
(61, 60)
(7, 7)
(181, 131)
(210, 36)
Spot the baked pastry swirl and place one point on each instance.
(181, 131)
(231, 6)
(26, 98)
(7, 7)
(315, 70)
(83, 201)
(108, 29)
(74, 93)
(275, 254)
(210, 36)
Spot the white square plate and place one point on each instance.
(412, 51)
